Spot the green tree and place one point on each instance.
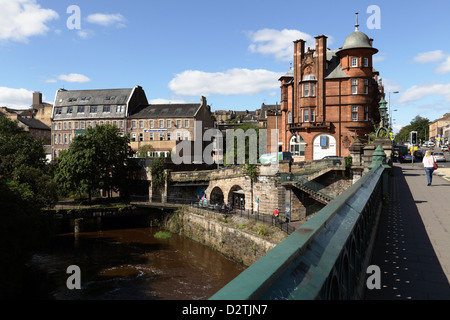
(25, 188)
(98, 159)
(419, 124)
(23, 164)
(158, 173)
(247, 128)
(144, 150)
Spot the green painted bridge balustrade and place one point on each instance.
(326, 258)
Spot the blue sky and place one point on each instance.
(232, 52)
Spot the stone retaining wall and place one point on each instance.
(239, 245)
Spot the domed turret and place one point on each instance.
(357, 40)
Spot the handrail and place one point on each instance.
(322, 259)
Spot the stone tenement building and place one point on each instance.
(76, 110)
(329, 98)
(160, 125)
(26, 120)
(163, 125)
(439, 130)
(41, 110)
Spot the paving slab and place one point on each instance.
(413, 242)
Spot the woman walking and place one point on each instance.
(428, 164)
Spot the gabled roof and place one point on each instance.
(333, 71)
(186, 110)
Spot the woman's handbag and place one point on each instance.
(435, 165)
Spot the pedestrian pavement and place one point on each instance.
(412, 247)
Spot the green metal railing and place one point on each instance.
(325, 258)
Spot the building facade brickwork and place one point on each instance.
(329, 98)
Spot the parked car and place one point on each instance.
(407, 158)
(444, 148)
(439, 157)
(418, 155)
(336, 160)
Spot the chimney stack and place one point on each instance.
(37, 98)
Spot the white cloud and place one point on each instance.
(421, 91)
(390, 85)
(444, 67)
(72, 77)
(165, 101)
(433, 57)
(84, 34)
(230, 82)
(278, 43)
(107, 20)
(15, 98)
(379, 58)
(21, 19)
(430, 56)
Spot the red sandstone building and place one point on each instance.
(328, 98)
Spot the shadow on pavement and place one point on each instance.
(409, 266)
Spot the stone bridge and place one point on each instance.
(269, 190)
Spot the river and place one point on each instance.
(131, 264)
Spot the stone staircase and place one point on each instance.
(313, 189)
(307, 184)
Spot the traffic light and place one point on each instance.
(413, 137)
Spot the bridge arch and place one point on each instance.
(216, 196)
(236, 197)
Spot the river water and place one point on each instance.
(131, 264)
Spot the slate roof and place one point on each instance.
(92, 97)
(267, 107)
(334, 66)
(186, 110)
(333, 71)
(33, 123)
(357, 40)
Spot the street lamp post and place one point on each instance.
(390, 116)
(383, 131)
